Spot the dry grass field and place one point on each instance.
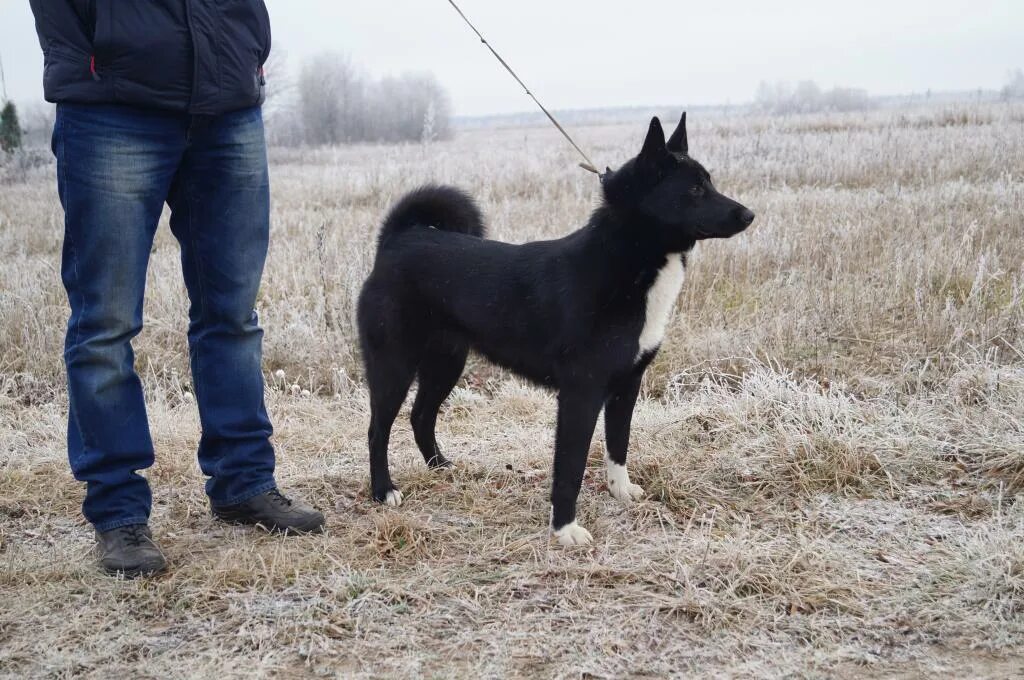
(832, 440)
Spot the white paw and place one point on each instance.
(619, 485)
(573, 534)
(394, 498)
(626, 493)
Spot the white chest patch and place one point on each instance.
(661, 300)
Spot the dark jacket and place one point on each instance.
(201, 56)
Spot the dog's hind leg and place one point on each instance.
(577, 417)
(389, 378)
(618, 418)
(439, 370)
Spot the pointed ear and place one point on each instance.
(654, 145)
(678, 142)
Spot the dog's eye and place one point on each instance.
(697, 191)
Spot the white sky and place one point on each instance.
(591, 53)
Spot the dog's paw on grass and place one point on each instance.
(572, 534)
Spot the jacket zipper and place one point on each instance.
(195, 52)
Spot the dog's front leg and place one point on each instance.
(577, 416)
(618, 418)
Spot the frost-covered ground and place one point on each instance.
(832, 441)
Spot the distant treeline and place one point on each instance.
(807, 97)
(332, 101)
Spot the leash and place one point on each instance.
(588, 165)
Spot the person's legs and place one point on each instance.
(114, 167)
(220, 214)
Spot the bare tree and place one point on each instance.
(1014, 88)
(336, 103)
(37, 124)
(281, 106)
(332, 100)
(404, 106)
(280, 87)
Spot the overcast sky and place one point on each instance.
(593, 53)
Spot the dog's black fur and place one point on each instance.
(566, 314)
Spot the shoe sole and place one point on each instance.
(285, 531)
(137, 572)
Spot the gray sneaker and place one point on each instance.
(130, 551)
(274, 512)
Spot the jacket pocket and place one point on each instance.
(261, 87)
(103, 30)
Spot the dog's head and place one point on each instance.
(674, 193)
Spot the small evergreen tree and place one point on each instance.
(10, 129)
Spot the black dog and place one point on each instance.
(584, 314)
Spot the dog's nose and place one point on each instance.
(745, 216)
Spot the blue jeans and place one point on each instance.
(116, 167)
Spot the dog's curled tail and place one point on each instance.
(442, 207)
